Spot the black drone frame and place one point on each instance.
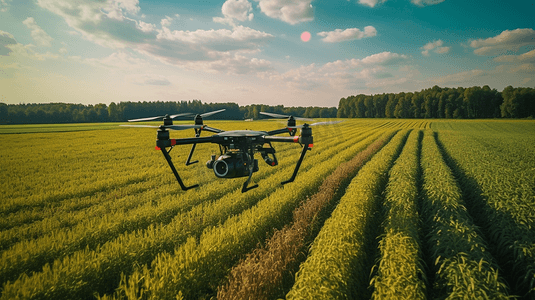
(237, 147)
(239, 141)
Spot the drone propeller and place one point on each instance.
(160, 117)
(173, 127)
(317, 123)
(278, 116)
(211, 113)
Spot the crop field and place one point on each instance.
(380, 209)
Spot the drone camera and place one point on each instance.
(231, 166)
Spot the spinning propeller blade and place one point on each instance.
(211, 113)
(183, 127)
(278, 116)
(160, 117)
(317, 123)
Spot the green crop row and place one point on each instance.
(400, 272)
(500, 188)
(102, 266)
(268, 271)
(196, 268)
(464, 268)
(337, 265)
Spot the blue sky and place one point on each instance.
(250, 51)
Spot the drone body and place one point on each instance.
(237, 147)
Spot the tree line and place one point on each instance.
(436, 102)
(123, 111)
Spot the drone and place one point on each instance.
(237, 147)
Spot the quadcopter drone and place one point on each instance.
(237, 147)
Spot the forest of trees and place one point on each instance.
(436, 102)
(120, 112)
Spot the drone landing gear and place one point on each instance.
(188, 162)
(251, 166)
(168, 158)
(245, 187)
(303, 152)
(197, 134)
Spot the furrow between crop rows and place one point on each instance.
(268, 272)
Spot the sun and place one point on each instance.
(305, 36)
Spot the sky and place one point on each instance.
(275, 52)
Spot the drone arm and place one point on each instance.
(282, 130)
(308, 141)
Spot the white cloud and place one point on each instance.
(10, 47)
(379, 59)
(528, 68)
(508, 40)
(166, 22)
(149, 79)
(461, 77)
(6, 39)
(4, 5)
(526, 57)
(233, 64)
(118, 61)
(339, 35)
(103, 22)
(289, 11)
(28, 51)
(384, 58)
(240, 10)
(303, 78)
(371, 3)
(82, 11)
(38, 34)
(426, 2)
(108, 24)
(436, 46)
(348, 74)
(146, 27)
(217, 40)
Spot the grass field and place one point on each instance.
(381, 208)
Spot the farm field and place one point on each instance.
(380, 209)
